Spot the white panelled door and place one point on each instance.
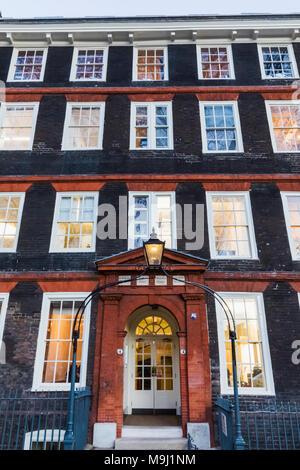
(155, 375)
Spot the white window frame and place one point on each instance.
(284, 195)
(292, 59)
(268, 104)
(152, 215)
(4, 300)
(48, 297)
(101, 105)
(234, 104)
(267, 364)
(44, 436)
(248, 210)
(35, 106)
(151, 125)
(134, 63)
(20, 212)
(16, 50)
(74, 61)
(230, 60)
(59, 196)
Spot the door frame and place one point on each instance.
(129, 353)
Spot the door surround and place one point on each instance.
(117, 303)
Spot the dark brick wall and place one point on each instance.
(48, 158)
(36, 224)
(50, 125)
(20, 335)
(182, 63)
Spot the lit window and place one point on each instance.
(215, 62)
(151, 126)
(153, 325)
(54, 349)
(74, 222)
(27, 65)
(291, 206)
(230, 225)
(254, 370)
(11, 206)
(220, 127)
(277, 61)
(284, 121)
(150, 64)
(151, 210)
(89, 64)
(83, 126)
(17, 126)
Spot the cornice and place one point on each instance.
(69, 31)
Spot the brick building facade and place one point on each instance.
(193, 111)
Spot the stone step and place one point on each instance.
(168, 432)
(130, 443)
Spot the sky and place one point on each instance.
(77, 8)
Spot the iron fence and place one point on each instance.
(37, 420)
(268, 424)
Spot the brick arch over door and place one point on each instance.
(172, 303)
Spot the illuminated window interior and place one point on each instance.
(9, 216)
(16, 127)
(153, 325)
(249, 354)
(75, 223)
(59, 350)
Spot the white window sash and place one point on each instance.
(288, 224)
(20, 212)
(59, 197)
(135, 64)
(237, 123)
(250, 225)
(266, 357)
(67, 126)
(4, 301)
(13, 63)
(151, 136)
(152, 214)
(268, 105)
(230, 60)
(45, 436)
(74, 64)
(291, 56)
(38, 384)
(35, 107)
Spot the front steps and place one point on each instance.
(151, 438)
(131, 443)
(152, 432)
